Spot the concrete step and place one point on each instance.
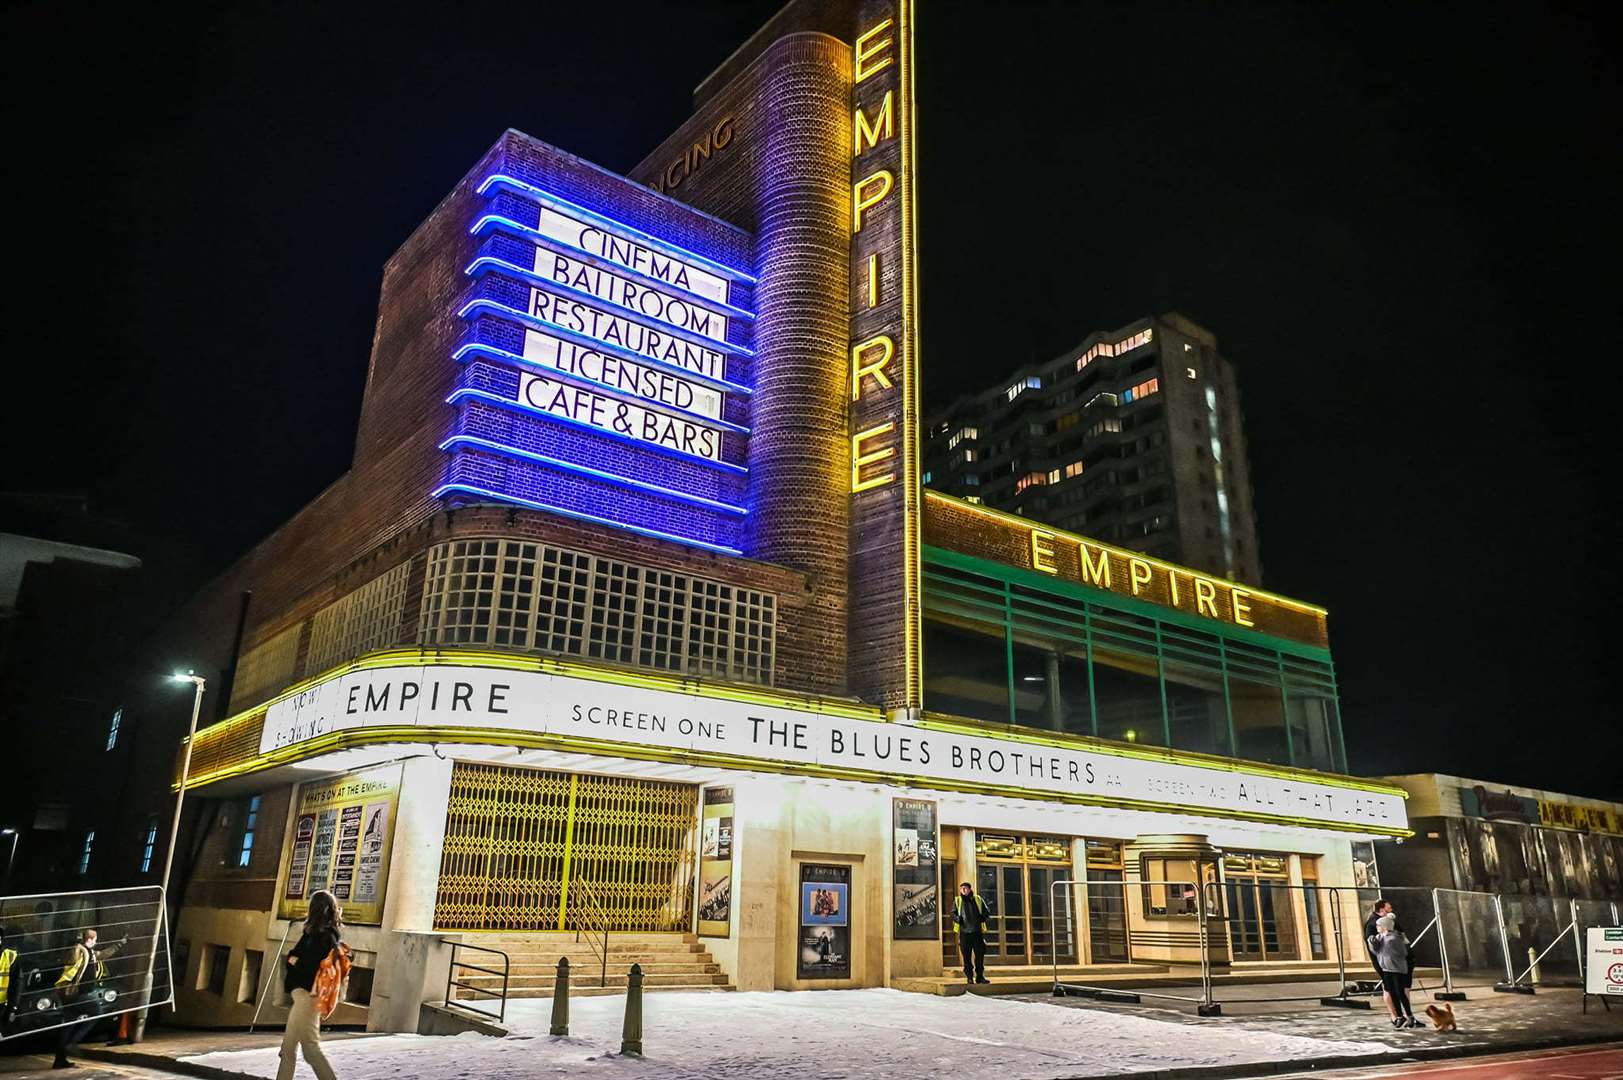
(653, 962)
(548, 976)
(600, 991)
(544, 987)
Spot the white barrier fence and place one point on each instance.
(55, 976)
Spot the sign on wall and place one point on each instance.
(1603, 961)
(622, 719)
(716, 863)
(343, 829)
(825, 922)
(885, 628)
(915, 860)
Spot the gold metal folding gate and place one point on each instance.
(517, 840)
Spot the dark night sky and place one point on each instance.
(1400, 221)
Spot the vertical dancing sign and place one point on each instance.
(884, 391)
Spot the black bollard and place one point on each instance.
(560, 998)
(631, 1034)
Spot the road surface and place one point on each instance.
(1577, 1063)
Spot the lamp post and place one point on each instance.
(15, 835)
(174, 834)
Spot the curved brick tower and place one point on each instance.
(783, 174)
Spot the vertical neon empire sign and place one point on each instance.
(884, 409)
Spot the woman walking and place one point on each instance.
(322, 934)
(1391, 952)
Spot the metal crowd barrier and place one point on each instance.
(1469, 939)
(130, 971)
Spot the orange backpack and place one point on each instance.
(332, 980)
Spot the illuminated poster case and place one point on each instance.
(343, 828)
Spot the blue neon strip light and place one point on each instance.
(519, 406)
(470, 489)
(586, 470)
(627, 232)
(503, 311)
(614, 392)
(497, 223)
(486, 263)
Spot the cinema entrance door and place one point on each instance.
(534, 849)
(1015, 875)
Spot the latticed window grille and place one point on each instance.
(266, 668)
(523, 595)
(530, 849)
(365, 619)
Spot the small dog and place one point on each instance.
(1442, 1017)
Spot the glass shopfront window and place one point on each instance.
(965, 672)
(1006, 652)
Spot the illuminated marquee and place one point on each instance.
(956, 525)
(643, 720)
(623, 417)
(583, 329)
(884, 409)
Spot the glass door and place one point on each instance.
(1003, 887)
(1262, 925)
(1107, 917)
(1053, 919)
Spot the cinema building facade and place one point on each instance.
(632, 613)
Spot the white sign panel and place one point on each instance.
(669, 309)
(632, 255)
(621, 417)
(1603, 960)
(603, 326)
(582, 708)
(651, 383)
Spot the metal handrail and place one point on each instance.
(452, 981)
(594, 912)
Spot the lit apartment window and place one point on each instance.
(1107, 397)
(966, 455)
(1030, 382)
(960, 435)
(150, 844)
(1029, 480)
(1053, 476)
(1073, 469)
(1105, 348)
(84, 855)
(976, 499)
(112, 729)
(250, 821)
(972, 479)
(1189, 371)
(1109, 423)
(1142, 390)
(926, 478)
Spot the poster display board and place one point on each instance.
(914, 859)
(825, 922)
(343, 828)
(1603, 961)
(716, 862)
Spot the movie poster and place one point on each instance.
(342, 832)
(915, 860)
(1365, 873)
(716, 862)
(825, 922)
(298, 867)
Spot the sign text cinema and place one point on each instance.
(655, 304)
(1091, 564)
(632, 255)
(875, 367)
(577, 708)
(613, 330)
(623, 375)
(621, 417)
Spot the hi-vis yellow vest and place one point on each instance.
(8, 957)
(81, 955)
